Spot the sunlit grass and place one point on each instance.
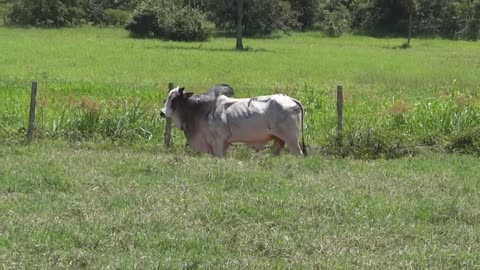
(361, 64)
(107, 194)
(436, 80)
(91, 205)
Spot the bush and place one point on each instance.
(465, 142)
(336, 22)
(143, 22)
(109, 12)
(472, 31)
(169, 22)
(116, 17)
(265, 16)
(188, 24)
(49, 13)
(306, 12)
(368, 143)
(260, 17)
(4, 7)
(457, 19)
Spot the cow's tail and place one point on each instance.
(304, 147)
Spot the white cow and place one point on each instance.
(212, 122)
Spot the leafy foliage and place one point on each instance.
(116, 16)
(260, 17)
(188, 24)
(336, 21)
(145, 21)
(152, 19)
(457, 19)
(48, 13)
(452, 19)
(306, 11)
(109, 11)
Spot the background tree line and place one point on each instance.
(198, 19)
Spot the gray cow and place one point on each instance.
(213, 121)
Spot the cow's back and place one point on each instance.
(256, 119)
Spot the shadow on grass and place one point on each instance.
(396, 47)
(201, 48)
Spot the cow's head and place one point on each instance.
(176, 97)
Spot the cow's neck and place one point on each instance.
(194, 110)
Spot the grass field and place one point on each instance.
(92, 81)
(365, 66)
(97, 189)
(94, 206)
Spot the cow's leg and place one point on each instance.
(294, 146)
(257, 146)
(292, 142)
(288, 132)
(277, 146)
(210, 149)
(225, 148)
(219, 149)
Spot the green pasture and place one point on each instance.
(100, 83)
(96, 189)
(367, 67)
(94, 206)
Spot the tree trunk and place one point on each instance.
(409, 29)
(239, 24)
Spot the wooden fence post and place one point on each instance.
(339, 109)
(31, 117)
(168, 125)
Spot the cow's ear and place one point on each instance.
(188, 94)
(180, 90)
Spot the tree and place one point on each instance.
(239, 45)
(97, 9)
(47, 13)
(260, 17)
(169, 21)
(411, 7)
(306, 12)
(473, 28)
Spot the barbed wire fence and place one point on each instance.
(168, 135)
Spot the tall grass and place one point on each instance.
(390, 129)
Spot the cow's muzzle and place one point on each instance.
(162, 114)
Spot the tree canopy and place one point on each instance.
(453, 19)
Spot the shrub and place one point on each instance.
(189, 24)
(472, 31)
(465, 142)
(49, 13)
(260, 17)
(306, 12)
(144, 21)
(265, 16)
(452, 19)
(169, 22)
(116, 17)
(336, 22)
(109, 12)
(369, 143)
